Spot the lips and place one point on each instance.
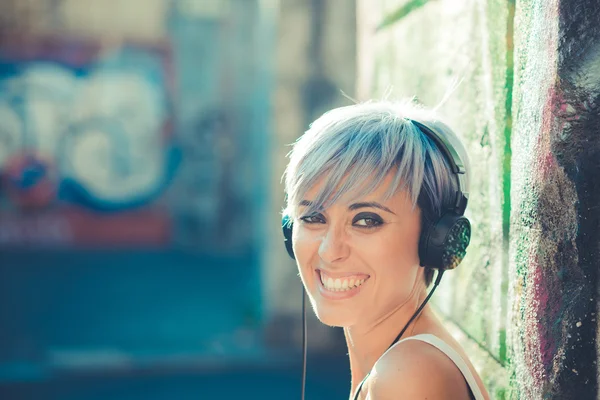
(342, 287)
(341, 283)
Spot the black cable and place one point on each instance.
(304, 341)
(304, 336)
(435, 285)
(437, 282)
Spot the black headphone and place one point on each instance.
(443, 242)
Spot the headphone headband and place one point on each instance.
(456, 164)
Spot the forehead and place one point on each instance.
(360, 192)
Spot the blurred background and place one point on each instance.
(141, 147)
(142, 144)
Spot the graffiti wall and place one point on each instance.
(134, 171)
(554, 245)
(87, 145)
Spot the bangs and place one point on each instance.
(351, 157)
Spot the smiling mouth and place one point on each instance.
(346, 283)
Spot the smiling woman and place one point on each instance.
(376, 191)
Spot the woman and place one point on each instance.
(365, 187)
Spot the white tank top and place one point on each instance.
(452, 354)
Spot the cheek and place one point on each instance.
(394, 258)
(305, 248)
(390, 248)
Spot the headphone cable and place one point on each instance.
(304, 341)
(435, 285)
(304, 338)
(437, 282)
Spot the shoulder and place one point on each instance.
(414, 369)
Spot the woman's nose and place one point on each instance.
(334, 245)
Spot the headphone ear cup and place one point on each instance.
(443, 244)
(287, 227)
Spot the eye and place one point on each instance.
(367, 220)
(313, 219)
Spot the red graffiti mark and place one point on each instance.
(541, 310)
(531, 338)
(30, 180)
(542, 302)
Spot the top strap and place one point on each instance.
(448, 351)
(454, 356)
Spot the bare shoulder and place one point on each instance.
(416, 370)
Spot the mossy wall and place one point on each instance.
(524, 300)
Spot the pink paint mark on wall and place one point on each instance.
(535, 340)
(541, 294)
(542, 300)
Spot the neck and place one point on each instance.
(367, 343)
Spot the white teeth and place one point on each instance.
(340, 285)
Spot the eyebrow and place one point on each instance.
(370, 204)
(356, 206)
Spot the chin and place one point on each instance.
(333, 318)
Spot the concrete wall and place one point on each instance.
(423, 54)
(523, 302)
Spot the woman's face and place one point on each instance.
(358, 261)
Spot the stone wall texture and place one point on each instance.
(554, 238)
(524, 301)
